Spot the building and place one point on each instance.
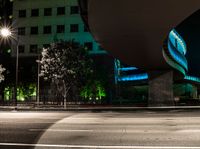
(5, 49)
(40, 22)
(36, 24)
(145, 36)
(5, 20)
(6, 11)
(182, 87)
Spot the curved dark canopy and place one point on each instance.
(190, 31)
(134, 30)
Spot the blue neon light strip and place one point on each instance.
(181, 60)
(136, 77)
(127, 68)
(173, 36)
(173, 63)
(192, 78)
(144, 76)
(177, 49)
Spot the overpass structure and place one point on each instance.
(142, 33)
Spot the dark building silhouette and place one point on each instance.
(143, 34)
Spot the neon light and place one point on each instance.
(176, 48)
(192, 78)
(173, 36)
(135, 77)
(127, 68)
(181, 60)
(144, 76)
(173, 63)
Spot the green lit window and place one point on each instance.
(74, 10)
(47, 29)
(21, 31)
(21, 48)
(60, 28)
(34, 30)
(47, 11)
(74, 28)
(60, 10)
(22, 13)
(34, 12)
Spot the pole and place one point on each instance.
(16, 75)
(38, 82)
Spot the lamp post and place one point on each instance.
(38, 81)
(16, 72)
(6, 33)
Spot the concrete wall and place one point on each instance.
(161, 88)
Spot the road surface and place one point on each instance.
(141, 129)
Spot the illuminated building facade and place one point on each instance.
(41, 22)
(174, 53)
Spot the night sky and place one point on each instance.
(190, 31)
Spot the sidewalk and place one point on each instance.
(95, 108)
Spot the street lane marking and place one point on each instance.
(96, 146)
(62, 130)
(31, 122)
(116, 131)
(189, 131)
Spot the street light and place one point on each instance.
(5, 33)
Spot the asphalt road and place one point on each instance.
(170, 129)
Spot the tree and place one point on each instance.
(67, 65)
(1, 73)
(93, 91)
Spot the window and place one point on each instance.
(74, 28)
(60, 28)
(39, 50)
(22, 13)
(33, 48)
(46, 45)
(34, 30)
(88, 45)
(74, 10)
(47, 11)
(47, 29)
(60, 10)
(21, 48)
(34, 12)
(21, 31)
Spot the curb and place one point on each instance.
(11, 108)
